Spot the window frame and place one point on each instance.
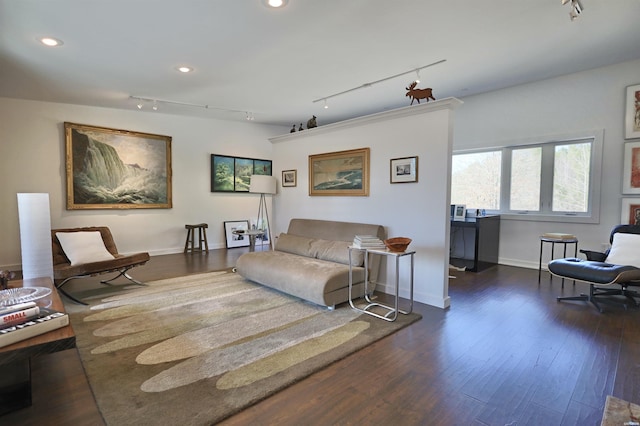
(596, 137)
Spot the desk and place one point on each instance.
(391, 310)
(480, 241)
(15, 359)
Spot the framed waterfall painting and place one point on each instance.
(344, 173)
(116, 169)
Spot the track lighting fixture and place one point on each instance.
(416, 70)
(325, 104)
(418, 76)
(576, 8)
(141, 101)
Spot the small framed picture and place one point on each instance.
(632, 113)
(289, 177)
(630, 211)
(459, 212)
(404, 170)
(631, 168)
(234, 233)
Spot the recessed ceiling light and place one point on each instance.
(50, 41)
(275, 3)
(185, 69)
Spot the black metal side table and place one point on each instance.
(556, 240)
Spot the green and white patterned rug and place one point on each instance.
(194, 350)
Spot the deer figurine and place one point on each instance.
(417, 94)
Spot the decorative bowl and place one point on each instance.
(397, 244)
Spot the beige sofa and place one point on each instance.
(311, 261)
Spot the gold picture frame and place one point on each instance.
(341, 173)
(116, 169)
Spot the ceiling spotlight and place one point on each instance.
(275, 4)
(185, 69)
(325, 104)
(417, 76)
(139, 105)
(50, 41)
(249, 116)
(155, 105)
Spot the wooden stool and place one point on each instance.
(202, 238)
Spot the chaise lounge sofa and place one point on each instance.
(311, 261)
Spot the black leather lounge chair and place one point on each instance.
(610, 274)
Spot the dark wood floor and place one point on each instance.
(505, 352)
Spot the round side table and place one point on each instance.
(564, 240)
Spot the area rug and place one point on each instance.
(197, 349)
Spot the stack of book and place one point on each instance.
(368, 242)
(25, 320)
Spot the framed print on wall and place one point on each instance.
(233, 235)
(630, 211)
(404, 170)
(116, 169)
(343, 173)
(631, 169)
(632, 113)
(233, 174)
(289, 177)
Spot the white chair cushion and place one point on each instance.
(625, 250)
(83, 247)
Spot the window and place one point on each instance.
(555, 180)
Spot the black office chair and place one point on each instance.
(607, 281)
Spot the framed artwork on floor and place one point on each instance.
(343, 173)
(630, 211)
(631, 169)
(116, 169)
(233, 233)
(404, 170)
(632, 113)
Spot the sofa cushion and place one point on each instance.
(316, 248)
(83, 247)
(294, 244)
(336, 251)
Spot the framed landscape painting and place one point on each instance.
(342, 173)
(233, 174)
(116, 169)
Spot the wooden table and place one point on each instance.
(15, 359)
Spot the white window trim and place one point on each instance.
(595, 176)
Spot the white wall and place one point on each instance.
(573, 103)
(32, 159)
(419, 210)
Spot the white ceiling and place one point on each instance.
(274, 63)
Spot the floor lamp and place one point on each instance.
(263, 184)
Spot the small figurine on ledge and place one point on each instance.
(293, 129)
(417, 94)
(312, 123)
(300, 128)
